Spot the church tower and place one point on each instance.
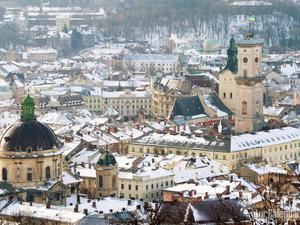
(227, 83)
(249, 87)
(106, 175)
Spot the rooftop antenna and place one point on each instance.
(250, 32)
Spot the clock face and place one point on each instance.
(245, 59)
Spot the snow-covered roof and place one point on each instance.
(151, 57)
(146, 173)
(86, 171)
(68, 178)
(132, 94)
(266, 169)
(41, 212)
(104, 204)
(273, 111)
(203, 187)
(111, 111)
(265, 138)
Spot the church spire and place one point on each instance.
(28, 109)
(232, 61)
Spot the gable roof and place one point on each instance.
(188, 107)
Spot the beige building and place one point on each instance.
(41, 55)
(164, 63)
(296, 98)
(18, 89)
(263, 175)
(274, 146)
(128, 103)
(87, 173)
(165, 91)
(147, 183)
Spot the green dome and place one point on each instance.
(107, 159)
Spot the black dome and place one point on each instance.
(25, 135)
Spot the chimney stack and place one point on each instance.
(76, 208)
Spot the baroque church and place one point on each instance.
(30, 159)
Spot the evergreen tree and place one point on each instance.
(76, 40)
(65, 29)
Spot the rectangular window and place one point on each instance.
(29, 174)
(245, 73)
(122, 186)
(129, 187)
(136, 187)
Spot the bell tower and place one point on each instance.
(106, 175)
(249, 108)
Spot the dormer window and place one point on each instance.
(29, 149)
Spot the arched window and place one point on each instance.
(114, 181)
(48, 172)
(4, 174)
(100, 182)
(244, 108)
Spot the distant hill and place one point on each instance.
(277, 22)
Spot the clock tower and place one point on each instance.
(249, 87)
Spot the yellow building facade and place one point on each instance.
(273, 147)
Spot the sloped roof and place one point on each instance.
(94, 219)
(7, 188)
(213, 100)
(188, 107)
(222, 211)
(111, 112)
